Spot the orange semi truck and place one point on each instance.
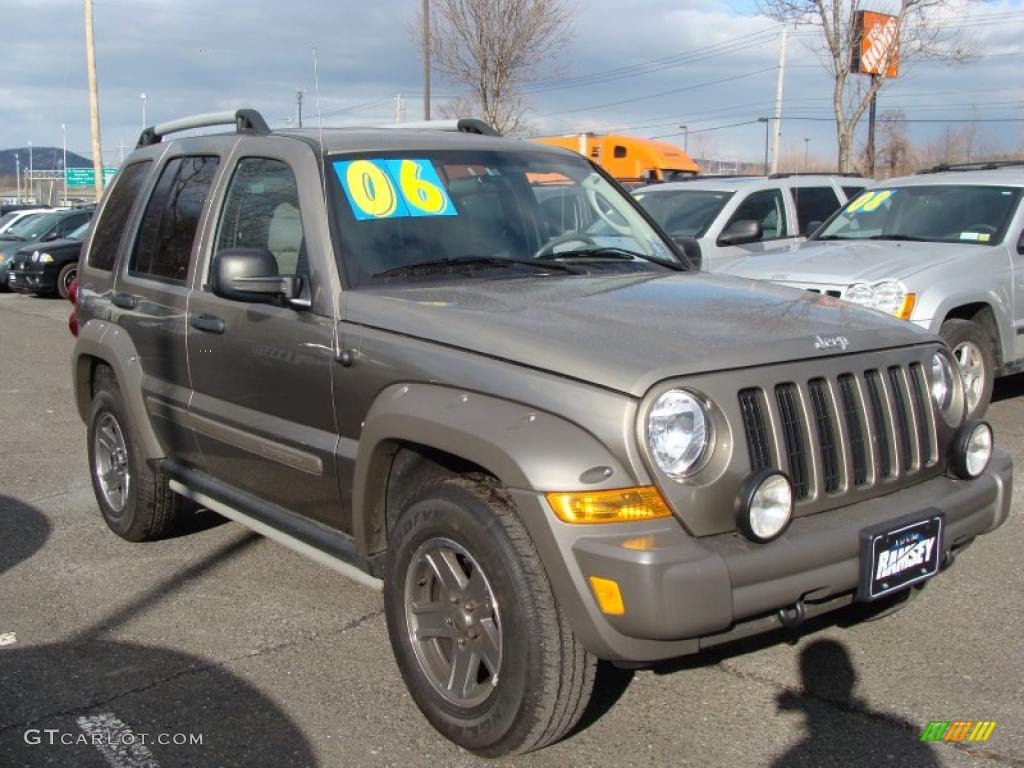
(628, 158)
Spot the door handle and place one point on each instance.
(123, 300)
(210, 323)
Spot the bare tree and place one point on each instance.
(495, 47)
(896, 156)
(922, 32)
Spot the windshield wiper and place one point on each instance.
(907, 238)
(606, 252)
(479, 262)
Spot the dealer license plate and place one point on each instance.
(899, 553)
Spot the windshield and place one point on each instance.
(33, 227)
(683, 212)
(505, 213)
(942, 214)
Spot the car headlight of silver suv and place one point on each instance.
(679, 432)
(887, 296)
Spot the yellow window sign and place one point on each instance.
(869, 201)
(387, 189)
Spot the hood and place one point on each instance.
(628, 332)
(48, 245)
(840, 263)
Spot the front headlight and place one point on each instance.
(942, 378)
(679, 432)
(887, 296)
(45, 258)
(35, 256)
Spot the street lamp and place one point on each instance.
(143, 97)
(64, 162)
(766, 131)
(17, 166)
(807, 143)
(31, 168)
(686, 139)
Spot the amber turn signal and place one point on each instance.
(906, 308)
(623, 505)
(609, 598)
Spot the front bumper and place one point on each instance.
(33, 281)
(682, 593)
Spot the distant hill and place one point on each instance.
(43, 159)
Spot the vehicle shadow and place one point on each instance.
(1008, 387)
(95, 701)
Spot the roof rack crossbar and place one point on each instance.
(244, 120)
(981, 165)
(460, 125)
(845, 175)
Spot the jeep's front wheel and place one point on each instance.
(975, 359)
(487, 655)
(135, 501)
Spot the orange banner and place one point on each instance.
(878, 36)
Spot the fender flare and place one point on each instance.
(1005, 331)
(525, 448)
(106, 342)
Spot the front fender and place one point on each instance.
(525, 448)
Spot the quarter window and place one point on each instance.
(767, 208)
(814, 204)
(261, 210)
(163, 247)
(110, 226)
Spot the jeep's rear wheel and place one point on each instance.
(484, 649)
(135, 501)
(972, 349)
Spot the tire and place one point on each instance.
(145, 509)
(544, 676)
(971, 345)
(67, 273)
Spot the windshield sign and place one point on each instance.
(941, 214)
(504, 214)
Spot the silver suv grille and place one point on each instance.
(862, 426)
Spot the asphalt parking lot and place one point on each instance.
(220, 648)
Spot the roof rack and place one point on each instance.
(460, 125)
(986, 165)
(244, 120)
(817, 173)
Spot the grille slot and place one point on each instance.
(789, 413)
(826, 434)
(899, 401)
(757, 434)
(851, 416)
(879, 429)
(922, 403)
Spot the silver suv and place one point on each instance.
(724, 219)
(943, 249)
(474, 373)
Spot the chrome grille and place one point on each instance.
(834, 434)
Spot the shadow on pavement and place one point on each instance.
(97, 702)
(834, 734)
(1008, 387)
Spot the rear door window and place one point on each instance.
(72, 222)
(766, 207)
(110, 227)
(814, 204)
(163, 247)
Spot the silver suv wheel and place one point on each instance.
(111, 465)
(971, 362)
(453, 622)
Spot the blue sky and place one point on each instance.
(715, 67)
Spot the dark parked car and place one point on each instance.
(44, 228)
(48, 268)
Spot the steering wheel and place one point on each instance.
(547, 251)
(595, 198)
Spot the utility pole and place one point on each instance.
(299, 93)
(767, 133)
(17, 166)
(778, 101)
(871, 131)
(686, 140)
(426, 59)
(807, 144)
(121, 147)
(94, 100)
(31, 173)
(143, 97)
(398, 108)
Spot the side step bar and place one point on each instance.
(331, 548)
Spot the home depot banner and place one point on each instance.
(877, 34)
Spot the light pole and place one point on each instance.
(766, 132)
(143, 97)
(17, 166)
(426, 59)
(31, 168)
(686, 139)
(64, 162)
(807, 143)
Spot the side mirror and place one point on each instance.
(690, 247)
(250, 274)
(813, 227)
(49, 237)
(740, 232)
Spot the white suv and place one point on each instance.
(734, 217)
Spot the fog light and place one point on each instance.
(971, 450)
(765, 505)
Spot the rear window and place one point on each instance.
(163, 247)
(110, 226)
